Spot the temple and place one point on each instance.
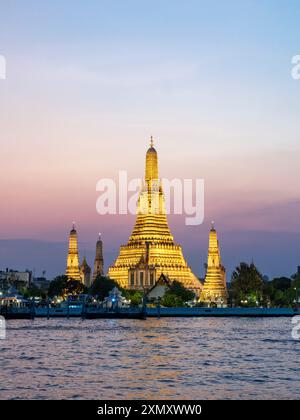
(85, 273)
(151, 250)
(73, 271)
(99, 262)
(214, 289)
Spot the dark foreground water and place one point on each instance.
(154, 359)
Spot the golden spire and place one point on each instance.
(73, 257)
(151, 163)
(151, 249)
(151, 223)
(214, 289)
(213, 240)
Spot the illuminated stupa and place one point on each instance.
(214, 289)
(73, 271)
(151, 250)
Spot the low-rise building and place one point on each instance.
(158, 291)
(15, 278)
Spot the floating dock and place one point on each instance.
(131, 313)
(143, 313)
(222, 312)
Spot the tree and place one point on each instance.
(281, 283)
(171, 300)
(281, 291)
(58, 286)
(177, 295)
(33, 291)
(179, 290)
(247, 285)
(19, 285)
(102, 286)
(74, 287)
(135, 296)
(296, 280)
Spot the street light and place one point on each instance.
(296, 293)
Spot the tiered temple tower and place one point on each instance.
(73, 271)
(151, 250)
(85, 273)
(99, 262)
(214, 290)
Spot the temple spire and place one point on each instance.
(85, 272)
(99, 261)
(72, 271)
(151, 172)
(151, 249)
(214, 290)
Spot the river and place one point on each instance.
(170, 358)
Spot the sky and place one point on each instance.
(89, 82)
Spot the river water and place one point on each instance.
(171, 358)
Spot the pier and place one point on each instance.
(80, 311)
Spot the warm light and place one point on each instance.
(151, 241)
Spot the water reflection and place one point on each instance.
(155, 359)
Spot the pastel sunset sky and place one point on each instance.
(88, 82)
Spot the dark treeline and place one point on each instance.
(248, 287)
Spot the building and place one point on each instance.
(99, 262)
(158, 291)
(85, 273)
(73, 271)
(10, 278)
(214, 289)
(141, 272)
(151, 249)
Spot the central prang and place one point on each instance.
(151, 250)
